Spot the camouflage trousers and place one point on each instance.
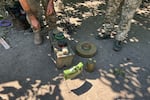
(128, 9)
(38, 8)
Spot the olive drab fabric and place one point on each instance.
(37, 10)
(128, 9)
(8, 2)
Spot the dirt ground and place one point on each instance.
(27, 71)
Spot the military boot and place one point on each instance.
(102, 37)
(117, 45)
(37, 38)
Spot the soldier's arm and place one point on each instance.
(25, 6)
(50, 7)
(51, 1)
(33, 20)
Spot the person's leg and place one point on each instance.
(51, 19)
(37, 34)
(35, 8)
(128, 10)
(110, 18)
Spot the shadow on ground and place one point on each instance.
(28, 73)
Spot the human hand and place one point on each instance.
(50, 9)
(35, 23)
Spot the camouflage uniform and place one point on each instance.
(2, 6)
(128, 8)
(37, 10)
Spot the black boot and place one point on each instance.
(104, 36)
(117, 45)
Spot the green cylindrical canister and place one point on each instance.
(90, 66)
